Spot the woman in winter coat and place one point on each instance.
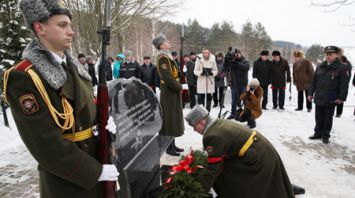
(219, 81)
(252, 103)
(303, 72)
(205, 70)
(117, 65)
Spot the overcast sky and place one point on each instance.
(294, 21)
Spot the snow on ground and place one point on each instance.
(325, 171)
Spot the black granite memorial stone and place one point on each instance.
(137, 114)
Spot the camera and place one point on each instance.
(229, 55)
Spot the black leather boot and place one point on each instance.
(251, 122)
(171, 151)
(297, 190)
(177, 149)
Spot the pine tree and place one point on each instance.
(13, 34)
(315, 53)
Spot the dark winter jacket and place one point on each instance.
(130, 69)
(149, 75)
(262, 71)
(349, 68)
(190, 76)
(108, 71)
(330, 82)
(239, 69)
(280, 73)
(91, 70)
(219, 79)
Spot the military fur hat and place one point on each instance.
(198, 113)
(40, 10)
(158, 40)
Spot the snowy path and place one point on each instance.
(326, 171)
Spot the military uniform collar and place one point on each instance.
(48, 67)
(58, 58)
(165, 53)
(209, 122)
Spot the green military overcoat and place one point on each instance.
(170, 96)
(66, 169)
(259, 174)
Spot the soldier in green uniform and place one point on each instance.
(52, 102)
(241, 162)
(170, 95)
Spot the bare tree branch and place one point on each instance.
(333, 5)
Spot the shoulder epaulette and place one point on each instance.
(23, 65)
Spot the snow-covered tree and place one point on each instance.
(13, 33)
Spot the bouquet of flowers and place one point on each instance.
(185, 178)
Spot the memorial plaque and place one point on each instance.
(137, 114)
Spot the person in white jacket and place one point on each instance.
(205, 70)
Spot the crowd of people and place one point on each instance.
(208, 77)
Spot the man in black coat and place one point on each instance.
(91, 70)
(191, 79)
(130, 67)
(174, 54)
(348, 66)
(239, 78)
(109, 62)
(262, 71)
(329, 87)
(280, 74)
(149, 73)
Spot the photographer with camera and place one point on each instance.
(205, 70)
(252, 103)
(237, 68)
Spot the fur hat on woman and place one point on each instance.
(254, 83)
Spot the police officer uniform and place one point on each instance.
(328, 84)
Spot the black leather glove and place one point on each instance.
(208, 71)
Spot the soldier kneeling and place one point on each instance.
(241, 162)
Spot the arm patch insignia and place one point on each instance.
(28, 104)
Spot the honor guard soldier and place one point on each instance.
(241, 162)
(51, 98)
(170, 95)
